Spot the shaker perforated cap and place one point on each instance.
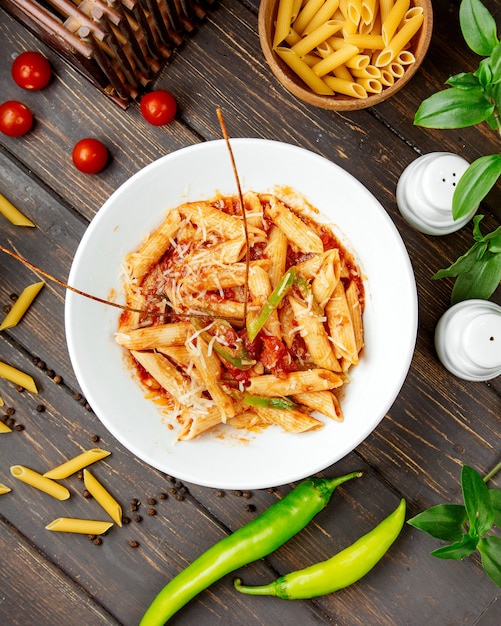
(425, 191)
(468, 340)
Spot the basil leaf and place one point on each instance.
(477, 233)
(461, 266)
(475, 184)
(465, 80)
(477, 500)
(496, 95)
(494, 240)
(484, 72)
(443, 521)
(495, 495)
(478, 27)
(496, 63)
(458, 550)
(454, 108)
(480, 282)
(490, 552)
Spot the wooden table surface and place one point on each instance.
(437, 423)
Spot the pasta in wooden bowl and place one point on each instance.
(344, 54)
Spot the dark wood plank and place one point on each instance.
(437, 423)
(26, 576)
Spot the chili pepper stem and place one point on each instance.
(253, 541)
(340, 571)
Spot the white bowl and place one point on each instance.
(234, 459)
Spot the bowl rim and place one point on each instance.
(295, 86)
(147, 437)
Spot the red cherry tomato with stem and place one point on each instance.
(15, 118)
(158, 107)
(31, 70)
(90, 155)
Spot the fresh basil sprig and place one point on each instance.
(467, 526)
(472, 98)
(478, 272)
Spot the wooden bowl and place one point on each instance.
(418, 46)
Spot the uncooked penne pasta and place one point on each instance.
(324, 13)
(392, 21)
(314, 82)
(4, 428)
(103, 497)
(8, 210)
(310, 8)
(4, 489)
(77, 463)
(80, 526)
(348, 37)
(21, 305)
(320, 34)
(399, 41)
(339, 57)
(40, 482)
(284, 20)
(17, 377)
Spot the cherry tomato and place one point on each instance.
(90, 155)
(15, 118)
(31, 70)
(158, 107)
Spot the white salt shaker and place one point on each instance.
(468, 340)
(425, 189)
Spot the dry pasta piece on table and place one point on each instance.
(103, 497)
(40, 482)
(21, 305)
(77, 463)
(80, 526)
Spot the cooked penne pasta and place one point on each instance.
(4, 489)
(21, 305)
(103, 497)
(8, 210)
(291, 421)
(269, 385)
(17, 377)
(324, 402)
(219, 346)
(80, 526)
(77, 463)
(312, 330)
(40, 482)
(297, 231)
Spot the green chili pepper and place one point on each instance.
(238, 357)
(280, 402)
(343, 569)
(273, 301)
(251, 542)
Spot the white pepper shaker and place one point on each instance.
(468, 340)
(425, 189)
